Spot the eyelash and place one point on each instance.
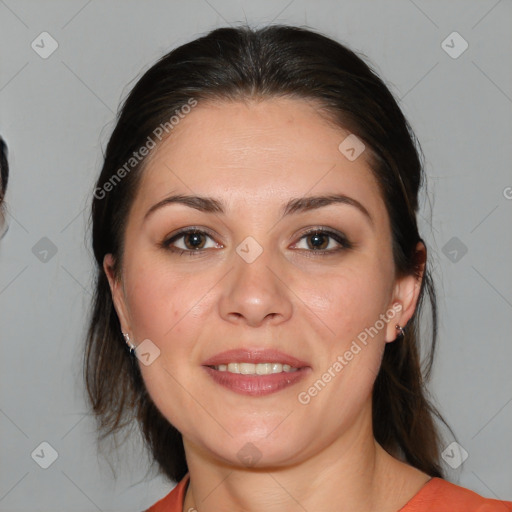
(338, 237)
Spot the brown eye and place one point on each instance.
(323, 241)
(318, 241)
(190, 241)
(194, 240)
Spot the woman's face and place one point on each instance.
(274, 270)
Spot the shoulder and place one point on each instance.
(172, 502)
(439, 495)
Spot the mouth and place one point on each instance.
(255, 372)
(255, 369)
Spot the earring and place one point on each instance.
(127, 340)
(401, 334)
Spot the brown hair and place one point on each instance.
(4, 176)
(4, 169)
(237, 64)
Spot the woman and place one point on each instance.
(260, 278)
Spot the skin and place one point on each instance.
(255, 156)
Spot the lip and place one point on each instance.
(257, 355)
(256, 385)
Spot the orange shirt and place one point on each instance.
(437, 495)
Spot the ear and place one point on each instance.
(118, 295)
(406, 294)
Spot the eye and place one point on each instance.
(191, 241)
(194, 241)
(323, 241)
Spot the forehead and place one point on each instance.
(264, 151)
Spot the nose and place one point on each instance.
(256, 292)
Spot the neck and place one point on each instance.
(352, 474)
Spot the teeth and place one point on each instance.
(263, 368)
(255, 369)
(233, 368)
(246, 368)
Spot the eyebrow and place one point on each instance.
(294, 205)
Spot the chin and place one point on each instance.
(260, 453)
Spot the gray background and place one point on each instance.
(57, 114)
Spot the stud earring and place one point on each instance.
(130, 345)
(401, 334)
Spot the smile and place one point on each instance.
(255, 369)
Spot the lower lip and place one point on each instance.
(257, 385)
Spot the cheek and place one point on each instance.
(347, 300)
(350, 311)
(162, 306)
(152, 303)
(163, 302)
(149, 293)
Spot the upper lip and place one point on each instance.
(255, 356)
